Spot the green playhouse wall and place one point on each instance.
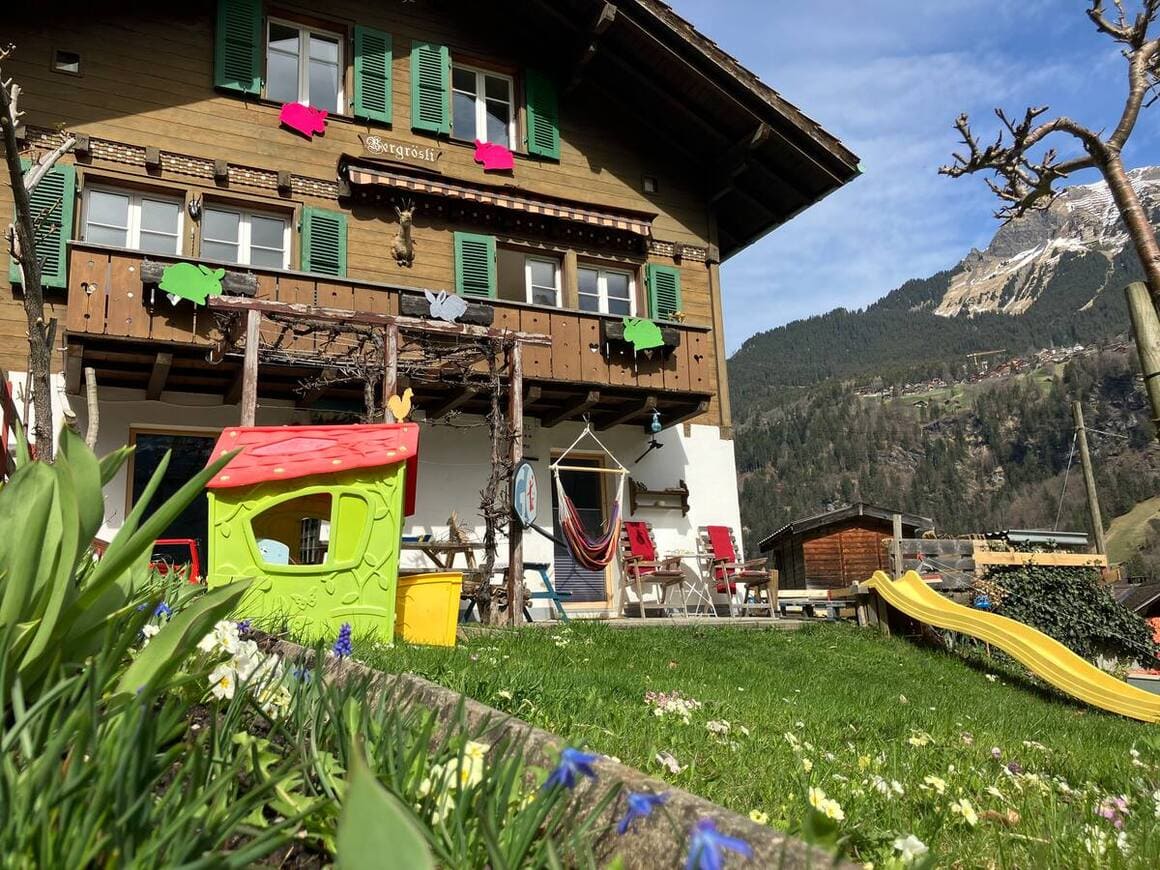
(356, 583)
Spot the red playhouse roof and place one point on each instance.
(288, 452)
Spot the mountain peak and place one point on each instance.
(1010, 275)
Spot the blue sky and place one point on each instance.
(889, 77)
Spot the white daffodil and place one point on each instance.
(223, 680)
(963, 808)
(910, 848)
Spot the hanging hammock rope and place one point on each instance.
(594, 554)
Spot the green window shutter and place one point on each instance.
(372, 74)
(474, 265)
(237, 57)
(52, 202)
(543, 115)
(323, 241)
(664, 291)
(430, 87)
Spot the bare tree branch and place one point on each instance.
(1025, 183)
(22, 241)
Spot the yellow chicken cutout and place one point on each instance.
(400, 406)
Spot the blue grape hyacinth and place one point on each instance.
(342, 647)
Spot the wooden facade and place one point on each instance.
(703, 173)
(837, 549)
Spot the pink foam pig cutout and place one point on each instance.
(303, 119)
(493, 157)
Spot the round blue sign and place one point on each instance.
(525, 493)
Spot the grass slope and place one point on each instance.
(831, 699)
(1128, 532)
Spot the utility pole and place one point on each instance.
(1089, 480)
(1146, 331)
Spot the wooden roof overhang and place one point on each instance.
(761, 159)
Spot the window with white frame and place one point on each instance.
(482, 106)
(130, 219)
(304, 65)
(248, 238)
(542, 280)
(607, 291)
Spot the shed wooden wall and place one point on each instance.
(147, 81)
(846, 554)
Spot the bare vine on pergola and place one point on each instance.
(1024, 169)
(350, 354)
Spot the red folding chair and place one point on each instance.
(728, 570)
(640, 565)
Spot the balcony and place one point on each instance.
(131, 334)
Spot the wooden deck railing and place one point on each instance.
(106, 298)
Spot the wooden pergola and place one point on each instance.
(391, 333)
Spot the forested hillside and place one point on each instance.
(982, 456)
(898, 338)
(885, 404)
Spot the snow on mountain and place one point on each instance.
(1010, 275)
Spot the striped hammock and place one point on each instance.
(594, 554)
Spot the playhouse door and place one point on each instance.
(587, 494)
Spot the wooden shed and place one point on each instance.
(837, 548)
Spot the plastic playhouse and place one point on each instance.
(315, 514)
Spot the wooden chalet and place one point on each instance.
(625, 156)
(838, 548)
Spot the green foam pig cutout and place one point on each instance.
(193, 282)
(643, 334)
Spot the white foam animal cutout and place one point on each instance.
(446, 306)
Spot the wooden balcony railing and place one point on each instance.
(107, 299)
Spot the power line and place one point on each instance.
(1063, 492)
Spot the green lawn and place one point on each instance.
(1128, 532)
(839, 709)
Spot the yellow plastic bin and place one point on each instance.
(427, 608)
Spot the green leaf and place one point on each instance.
(375, 825)
(168, 649)
(113, 463)
(120, 556)
(25, 504)
(75, 458)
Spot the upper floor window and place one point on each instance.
(542, 280)
(482, 106)
(607, 291)
(128, 219)
(248, 238)
(304, 65)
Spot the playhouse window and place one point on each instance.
(295, 531)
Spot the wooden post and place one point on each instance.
(1089, 480)
(896, 548)
(515, 595)
(250, 368)
(390, 369)
(1146, 328)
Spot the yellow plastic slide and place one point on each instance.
(1045, 657)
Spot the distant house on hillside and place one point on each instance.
(837, 548)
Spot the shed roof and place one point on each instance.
(1136, 596)
(290, 452)
(858, 509)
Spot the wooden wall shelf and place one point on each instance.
(659, 499)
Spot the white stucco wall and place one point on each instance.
(453, 468)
